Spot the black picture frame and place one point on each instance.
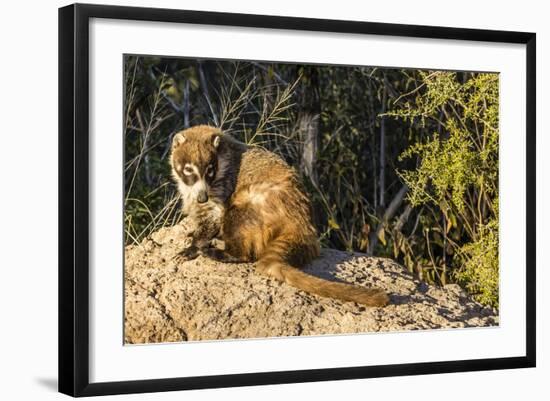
(74, 198)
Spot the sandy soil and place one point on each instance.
(206, 300)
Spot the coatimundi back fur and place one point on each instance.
(252, 201)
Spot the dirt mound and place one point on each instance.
(206, 300)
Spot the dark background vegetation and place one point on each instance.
(398, 162)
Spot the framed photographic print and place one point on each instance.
(249, 199)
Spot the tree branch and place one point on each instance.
(388, 214)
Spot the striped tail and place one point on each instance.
(273, 264)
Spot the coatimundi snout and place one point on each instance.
(251, 200)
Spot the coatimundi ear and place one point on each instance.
(178, 139)
(216, 140)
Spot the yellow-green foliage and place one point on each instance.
(446, 167)
(479, 272)
(457, 173)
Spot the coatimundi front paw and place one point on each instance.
(220, 255)
(190, 253)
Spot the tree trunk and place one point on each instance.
(382, 179)
(374, 168)
(186, 104)
(205, 93)
(309, 122)
(309, 134)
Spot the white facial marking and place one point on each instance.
(190, 169)
(189, 193)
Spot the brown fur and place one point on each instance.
(257, 207)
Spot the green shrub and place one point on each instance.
(456, 176)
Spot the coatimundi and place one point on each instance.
(252, 201)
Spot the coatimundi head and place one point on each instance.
(194, 161)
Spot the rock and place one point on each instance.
(206, 300)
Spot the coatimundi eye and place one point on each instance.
(187, 170)
(210, 170)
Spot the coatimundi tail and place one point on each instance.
(252, 201)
